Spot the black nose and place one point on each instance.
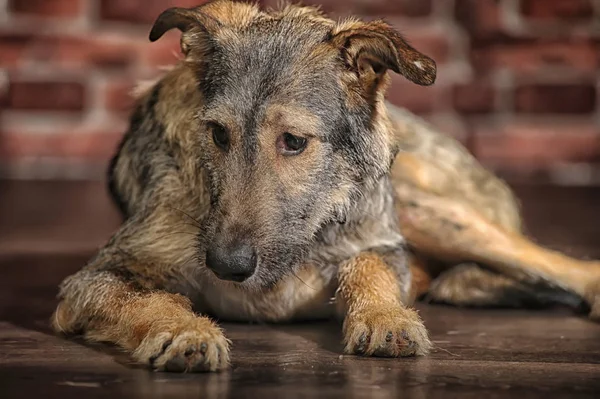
(234, 262)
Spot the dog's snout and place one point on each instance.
(235, 262)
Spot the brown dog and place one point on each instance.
(265, 178)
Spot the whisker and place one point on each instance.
(303, 282)
(198, 224)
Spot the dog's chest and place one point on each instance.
(303, 296)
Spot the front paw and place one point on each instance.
(190, 345)
(386, 332)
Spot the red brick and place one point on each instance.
(480, 18)
(417, 99)
(68, 51)
(474, 98)
(559, 99)
(533, 57)
(378, 8)
(140, 11)
(59, 96)
(559, 10)
(433, 45)
(3, 98)
(118, 95)
(545, 143)
(86, 51)
(98, 145)
(54, 8)
(12, 47)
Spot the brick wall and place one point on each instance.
(518, 80)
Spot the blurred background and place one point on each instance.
(518, 80)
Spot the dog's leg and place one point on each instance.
(470, 285)
(371, 297)
(454, 232)
(421, 276)
(117, 298)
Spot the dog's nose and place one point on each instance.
(234, 262)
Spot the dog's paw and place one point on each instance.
(385, 332)
(190, 345)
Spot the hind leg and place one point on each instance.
(470, 285)
(453, 232)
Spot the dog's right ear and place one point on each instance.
(201, 22)
(187, 20)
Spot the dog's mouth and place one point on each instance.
(233, 277)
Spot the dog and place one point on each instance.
(265, 178)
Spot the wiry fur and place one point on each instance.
(324, 223)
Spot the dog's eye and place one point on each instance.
(220, 135)
(288, 144)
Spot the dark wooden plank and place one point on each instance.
(54, 217)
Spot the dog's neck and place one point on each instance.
(370, 223)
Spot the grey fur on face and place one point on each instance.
(250, 78)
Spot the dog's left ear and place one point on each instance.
(374, 47)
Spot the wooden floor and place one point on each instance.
(48, 230)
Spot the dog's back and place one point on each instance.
(439, 164)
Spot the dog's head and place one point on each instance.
(292, 127)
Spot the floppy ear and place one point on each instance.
(184, 19)
(374, 47)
